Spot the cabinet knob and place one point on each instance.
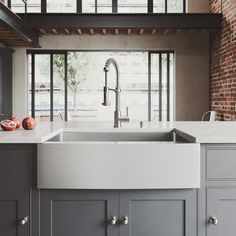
(24, 220)
(213, 220)
(112, 220)
(125, 220)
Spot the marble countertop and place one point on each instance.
(203, 132)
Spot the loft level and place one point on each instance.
(57, 23)
(14, 31)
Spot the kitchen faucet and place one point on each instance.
(117, 113)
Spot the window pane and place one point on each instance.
(104, 6)
(130, 6)
(32, 6)
(88, 6)
(42, 87)
(171, 86)
(155, 86)
(159, 102)
(58, 87)
(63, 6)
(159, 6)
(175, 6)
(164, 87)
(86, 81)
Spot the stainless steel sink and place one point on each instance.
(120, 136)
(119, 160)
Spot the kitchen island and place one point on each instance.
(201, 209)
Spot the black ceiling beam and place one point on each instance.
(162, 21)
(15, 24)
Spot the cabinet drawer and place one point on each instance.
(221, 162)
(15, 165)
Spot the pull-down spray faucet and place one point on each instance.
(117, 113)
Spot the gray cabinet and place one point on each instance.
(14, 206)
(221, 204)
(158, 212)
(138, 213)
(16, 167)
(78, 213)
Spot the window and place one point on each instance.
(169, 6)
(63, 6)
(70, 84)
(130, 6)
(97, 6)
(32, 6)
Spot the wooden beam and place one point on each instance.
(129, 31)
(153, 31)
(166, 31)
(141, 31)
(178, 31)
(79, 31)
(43, 31)
(92, 31)
(67, 31)
(55, 31)
(104, 31)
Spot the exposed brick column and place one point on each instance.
(223, 61)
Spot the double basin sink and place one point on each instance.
(119, 159)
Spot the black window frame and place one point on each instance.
(114, 6)
(65, 53)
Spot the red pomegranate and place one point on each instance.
(8, 125)
(29, 123)
(17, 121)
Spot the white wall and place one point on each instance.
(192, 65)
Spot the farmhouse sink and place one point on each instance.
(119, 160)
(118, 137)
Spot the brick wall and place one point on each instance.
(223, 62)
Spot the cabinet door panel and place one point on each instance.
(15, 166)
(153, 213)
(221, 203)
(14, 205)
(77, 213)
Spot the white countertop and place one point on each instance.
(203, 132)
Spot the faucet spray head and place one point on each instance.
(106, 91)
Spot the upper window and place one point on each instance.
(32, 6)
(170, 6)
(61, 6)
(130, 6)
(97, 6)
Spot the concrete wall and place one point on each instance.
(192, 66)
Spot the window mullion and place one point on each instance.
(33, 85)
(160, 86)
(149, 86)
(51, 87)
(168, 86)
(114, 6)
(66, 87)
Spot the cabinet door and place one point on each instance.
(221, 204)
(14, 205)
(78, 213)
(158, 212)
